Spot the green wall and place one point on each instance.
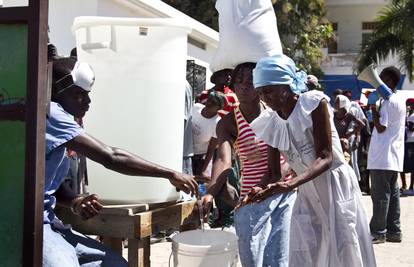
(13, 70)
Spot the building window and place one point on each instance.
(333, 42)
(196, 77)
(369, 25)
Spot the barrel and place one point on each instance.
(137, 99)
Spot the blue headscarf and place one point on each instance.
(277, 70)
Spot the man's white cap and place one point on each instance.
(83, 76)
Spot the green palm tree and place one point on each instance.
(394, 34)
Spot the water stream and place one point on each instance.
(200, 212)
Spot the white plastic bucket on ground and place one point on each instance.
(137, 99)
(209, 248)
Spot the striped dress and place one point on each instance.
(252, 153)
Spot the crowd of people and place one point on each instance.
(268, 153)
(278, 157)
(287, 136)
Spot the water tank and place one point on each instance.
(137, 99)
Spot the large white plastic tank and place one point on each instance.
(137, 100)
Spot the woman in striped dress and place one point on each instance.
(262, 228)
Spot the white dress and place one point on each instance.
(329, 226)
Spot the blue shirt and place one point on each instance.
(60, 128)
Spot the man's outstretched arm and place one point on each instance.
(124, 162)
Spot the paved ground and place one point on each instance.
(387, 254)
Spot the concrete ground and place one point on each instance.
(387, 254)
(397, 254)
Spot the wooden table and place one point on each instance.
(136, 223)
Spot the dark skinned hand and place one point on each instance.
(87, 207)
(185, 182)
(248, 198)
(270, 190)
(207, 203)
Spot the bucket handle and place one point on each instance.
(111, 44)
(169, 259)
(98, 45)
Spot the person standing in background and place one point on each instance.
(385, 161)
(204, 120)
(221, 80)
(347, 125)
(355, 139)
(188, 152)
(188, 134)
(409, 147)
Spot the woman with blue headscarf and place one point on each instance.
(329, 226)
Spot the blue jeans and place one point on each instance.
(68, 248)
(263, 230)
(385, 196)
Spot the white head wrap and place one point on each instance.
(344, 102)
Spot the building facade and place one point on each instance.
(353, 23)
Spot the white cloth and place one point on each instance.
(188, 131)
(410, 118)
(248, 32)
(203, 129)
(386, 150)
(410, 137)
(264, 126)
(356, 110)
(329, 226)
(344, 102)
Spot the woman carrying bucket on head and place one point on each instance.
(329, 226)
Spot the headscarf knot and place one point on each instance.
(279, 70)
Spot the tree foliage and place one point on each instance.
(201, 10)
(304, 30)
(394, 33)
(303, 27)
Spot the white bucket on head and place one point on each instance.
(207, 248)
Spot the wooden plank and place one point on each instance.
(144, 251)
(133, 247)
(139, 252)
(121, 226)
(170, 217)
(16, 14)
(37, 14)
(139, 225)
(130, 209)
